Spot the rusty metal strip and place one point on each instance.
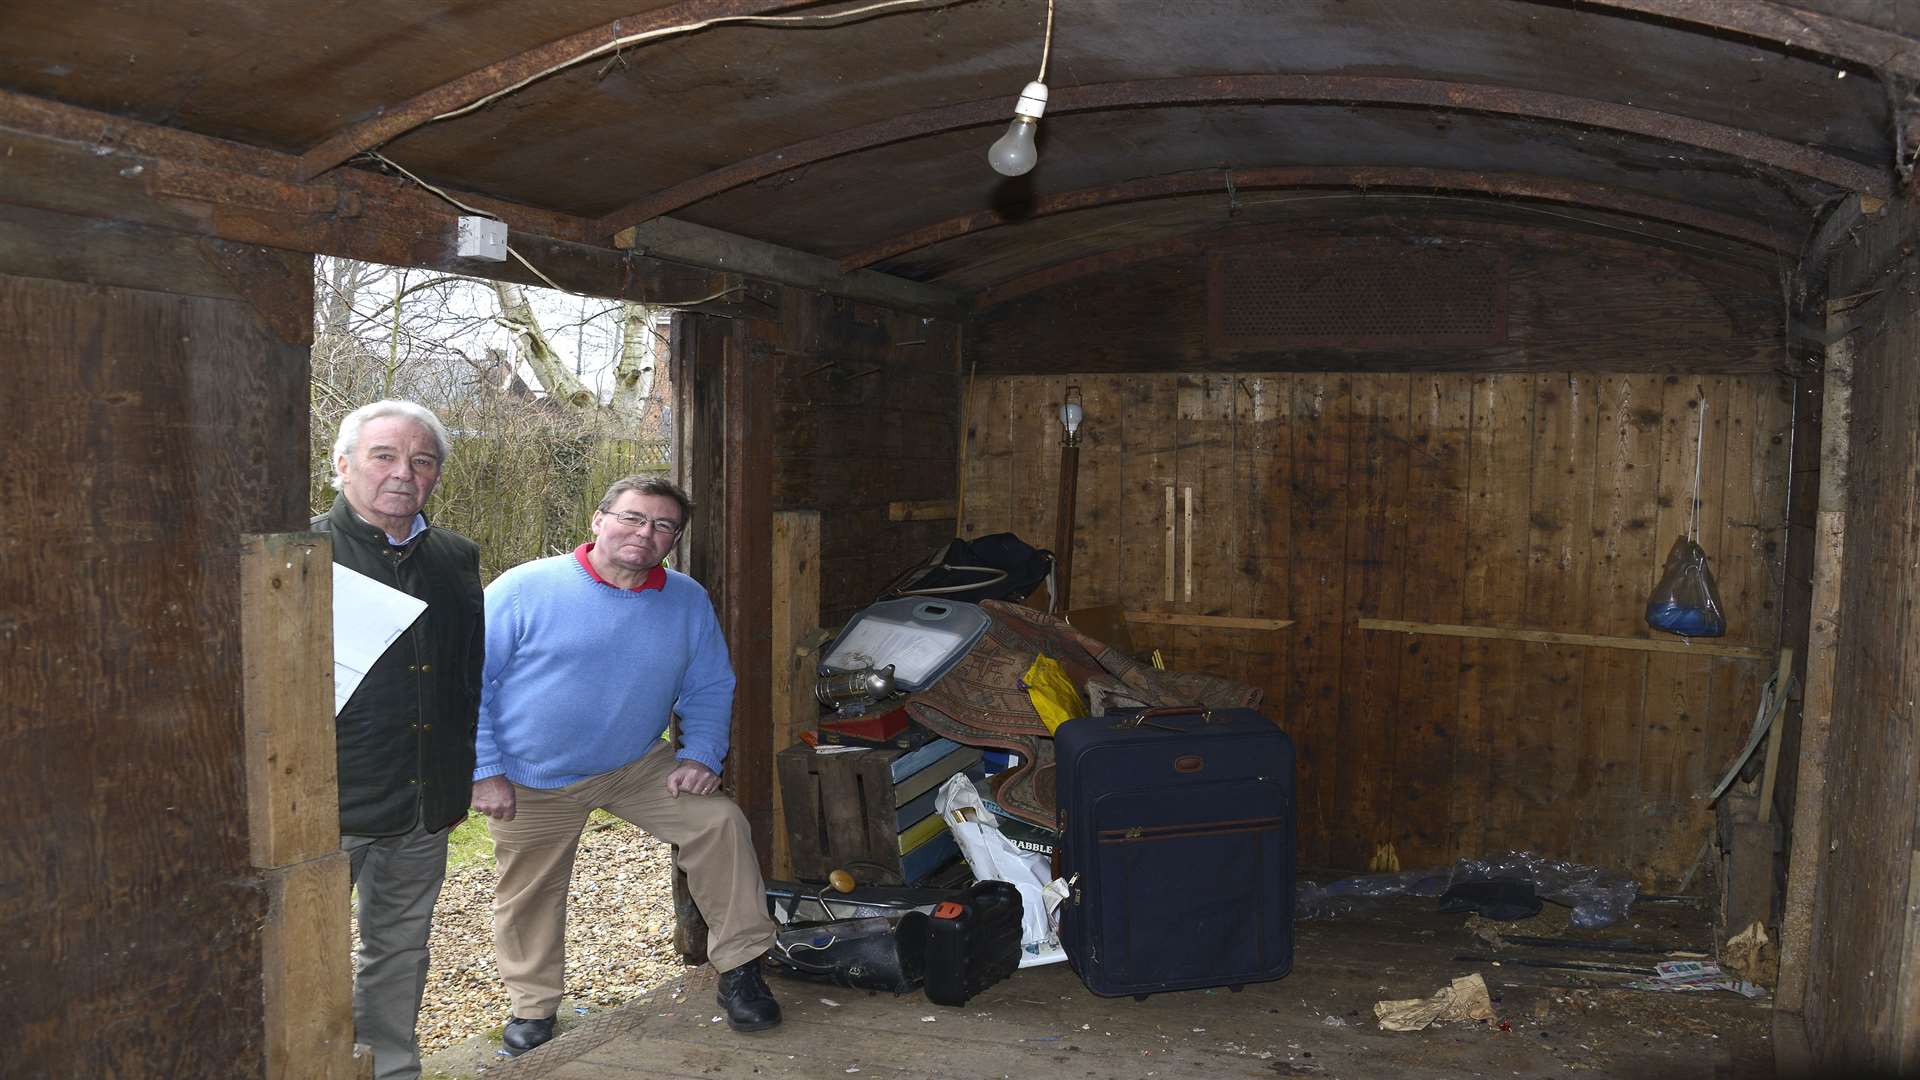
(1784, 24)
(103, 133)
(1781, 154)
(1511, 185)
(471, 87)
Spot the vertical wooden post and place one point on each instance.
(796, 614)
(1808, 852)
(293, 822)
(1063, 524)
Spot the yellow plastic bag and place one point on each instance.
(1053, 695)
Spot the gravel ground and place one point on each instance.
(619, 935)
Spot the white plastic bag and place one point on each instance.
(993, 857)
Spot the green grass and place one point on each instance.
(471, 843)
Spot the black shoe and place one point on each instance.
(521, 1036)
(744, 994)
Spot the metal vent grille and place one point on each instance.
(1369, 295)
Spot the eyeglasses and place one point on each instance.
(663, 526)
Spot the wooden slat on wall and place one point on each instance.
(1560, 514)
(1374, 582)
(1428, 690)
(866, 414)
(1515, 500)
(1209, 535)
(1263, 471)
(1497, 736)
(1101, 499)
(1619, 557)
(1317, 503)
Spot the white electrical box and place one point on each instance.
(483, 238)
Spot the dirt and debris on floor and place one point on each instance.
(1319, 1021)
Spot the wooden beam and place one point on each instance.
(286, 650)
(1215, 622)
(306, 960)
(929, 510)
(1807, 851)
(1553, 637)
(796, 620)
(1346, 90)
(1790, 26)
(1463, 210)
(92, 165)
(1370, 178)
(698, 245)
(1782, 676)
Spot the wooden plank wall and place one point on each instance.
(161, 428)
(1545, 501)
(865, 401)
(1862, 999)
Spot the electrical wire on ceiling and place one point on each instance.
(532, 269)
(687, 28)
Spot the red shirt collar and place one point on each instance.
(656, 577)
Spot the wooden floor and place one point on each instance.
(1316, 1022)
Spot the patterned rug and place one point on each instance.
(982, 701)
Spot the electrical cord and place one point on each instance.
(534, 270)
(684, 28)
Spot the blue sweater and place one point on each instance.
(581, 677)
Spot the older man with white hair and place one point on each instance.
(405, 737)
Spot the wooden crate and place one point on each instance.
(848, 811)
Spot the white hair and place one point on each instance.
(349, 437)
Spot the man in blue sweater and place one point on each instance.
(588, 655)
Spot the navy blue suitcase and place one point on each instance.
(1177, 827)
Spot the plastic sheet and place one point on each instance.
(1597, 896)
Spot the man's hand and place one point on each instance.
(692, 778)
(494, 797)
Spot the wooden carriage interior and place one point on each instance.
(1410, 336)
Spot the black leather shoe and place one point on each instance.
(523, 1035)
(744, 994)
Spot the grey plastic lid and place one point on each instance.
(921, 637)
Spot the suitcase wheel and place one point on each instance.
(1140, 997)
(1236, 987)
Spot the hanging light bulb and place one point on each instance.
(1071, 414)
(1014, 153)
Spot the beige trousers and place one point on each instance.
(535, 853)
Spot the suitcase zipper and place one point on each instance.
(1142, 833)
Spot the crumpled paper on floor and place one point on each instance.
(1752, 956)
(1465, 999)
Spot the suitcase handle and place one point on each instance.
(1144, 715)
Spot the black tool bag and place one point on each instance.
(973, 942)
(876, 953)
(1000, 566)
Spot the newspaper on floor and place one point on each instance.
(1678, 976)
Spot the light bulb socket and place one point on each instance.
(1033, 101)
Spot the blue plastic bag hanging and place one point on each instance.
(1686, 602)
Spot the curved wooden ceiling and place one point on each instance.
(862, 139)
